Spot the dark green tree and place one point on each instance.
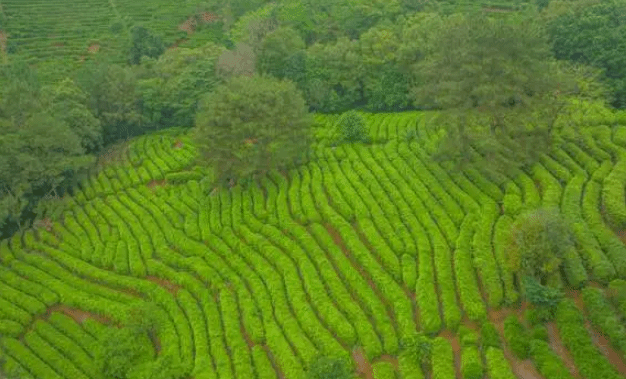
(281, 50)
(501, 71)
(119, 351)
(538, 241)
(250, 125)
(144, 43)
(324, 367)
(173, 85)
(351, 128)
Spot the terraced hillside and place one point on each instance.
(345, 256)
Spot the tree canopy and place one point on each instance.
(252, 124)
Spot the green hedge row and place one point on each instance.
(547, 361)
(337, 189)
(614, 248)
(588, 144)
(482, 254)
(471, 363)
(560, 173)
(346, 278)
(467, 284)
(581, 157)
(262, 365)
(561, 156)
(22, 299)
(320, 301)
(409, 369)
(593, 257)
(383, 370)
(67, 347)
(410, 166)
(604, 317)
(532, 199)
(512, 199)
(52, 357)
(425, 290)
(603, 137)
(182, 176)
(484, 185)
(445, 280)
(260, 253)
(409, 270)
(399, 191)
(498, 366)
(197, 322)
(294, 196)
(517, 336)
(501, 235)
(72, 330)
(382, 250)
(589, 360)
(121, 264)
(308, 187)
(239, 351)
(601, 173)
(613, 194)
(617, 294)
(442, 359)
(226, 210)
(28, 359)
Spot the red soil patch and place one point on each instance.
(78, 315)
(453, 338)
(169, 286)
(92, 49)
(208, 17)
(178, 144)
(557, 346)
(154, 183)
(188, 26)
(363, 366)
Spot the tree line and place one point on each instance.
(500, 81)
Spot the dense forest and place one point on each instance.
(313, 189)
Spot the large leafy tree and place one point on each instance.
(282, 54)
(174, 83)
(334, 73)
(144, 43)
(503, 72)
(112, 98)
(250, 125)
(594, 35)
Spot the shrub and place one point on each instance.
(516, 336)
(490, 336)
(324, 367)
(352, 128)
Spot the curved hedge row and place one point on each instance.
(589, 360)
(604, 317)
(547, 361)
(614, 193)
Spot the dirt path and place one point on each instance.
(453, 338)
(521, 368)
(78, 315)
(557, 346)
(364, 368)
(169, 286)
(601, 342)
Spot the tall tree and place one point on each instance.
(174, 83)
(281, 52)
(250, 125)
(502, 71)
(144, 43)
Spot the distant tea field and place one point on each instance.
(346, 256)
(71, 31)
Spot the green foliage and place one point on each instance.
(250, 125)
(280, 54)
(489, 335)
(120, 350)
(589, 34)
(324, 367)
(538, 242)
(418, 349)
(517, 336)
(144, 43)
(351, 128)
(171, 87)
(540, 295)
(471, 363)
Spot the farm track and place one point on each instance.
(333, 258)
